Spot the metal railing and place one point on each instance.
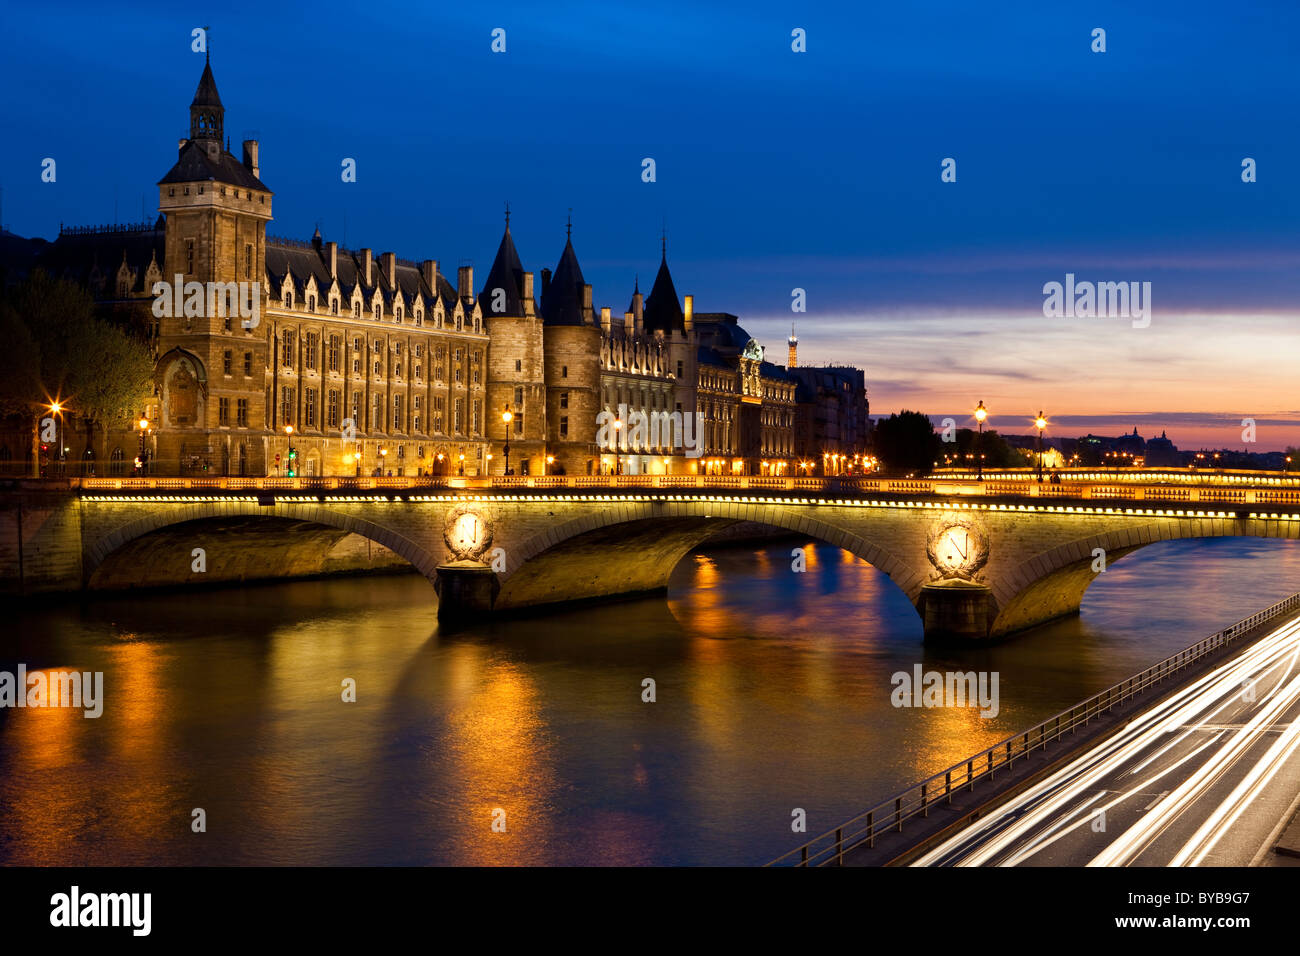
(917, 800)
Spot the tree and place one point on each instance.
(997, 453)
(57, 349)
(907, 444)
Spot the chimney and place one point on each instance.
(606, 321)
(586, 303)
(638, 310)
(528, 293)
(689, 314)
(429, 270)
(465, 282)
(390, 268)
(367, 267)
(250, 157)
(332, 257)
(546, 281)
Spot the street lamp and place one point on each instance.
(550, 460)
(290, 469)
(506, 417)
(1040, 423)
(56, 409)
(618, 461)
(383, 457)
(462, 464)
(144, 430)
(981, 413)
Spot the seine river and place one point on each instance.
(772, 693)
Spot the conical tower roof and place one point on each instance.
(663, 310)
(562, 301)
(507, 274)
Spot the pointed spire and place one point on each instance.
(507, 215)
(663, 309)
(568, 227)
(507, 274)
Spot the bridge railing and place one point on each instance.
(917, 801)
(848, 485)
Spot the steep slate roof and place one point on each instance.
(663, 311)
(301, 261)
(83, 255)
(193, 165)
(562, 300)
(506, 273)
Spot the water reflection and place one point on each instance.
(772, 692)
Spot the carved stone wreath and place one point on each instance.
(974, 561)
(450, 536)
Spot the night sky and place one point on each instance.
(775, 170)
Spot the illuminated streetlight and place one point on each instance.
(506, 417)
(1040, 423)
(981, 413)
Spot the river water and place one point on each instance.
(772, 692)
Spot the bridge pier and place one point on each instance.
(467, 590)
(956, 611)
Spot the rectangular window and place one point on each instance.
(564, 371)
(476, 414)
(356, 410)
(248, 260)
(311, 350)
(309, 408)
(226, 360)
(417, 370)
(223, 411)
(189, 255)
(332, 410)
(356, 366)
(437, 415)
(679, 369)
(458, 422)
(248, 363)
(286, 349)
(377, 416)
(286, 405)
(378, 374)
(519, 397)
(397, 412)
(336, 346)
(564, 426)
(564, 399)
(519, 365)
(458, 376)
(241, 412)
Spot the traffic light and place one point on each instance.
(293, 453)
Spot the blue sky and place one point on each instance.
(775, 170)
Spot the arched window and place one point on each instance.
(116, 462)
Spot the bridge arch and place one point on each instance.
(214, 516)
(633, 547)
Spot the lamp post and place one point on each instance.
(550, 460)
(290, 470)
(144, 430)
(1040, 423)
(383, 458)
(618, 461)
(506, 416)
(462, 464)
(56, 409)
(981, 413)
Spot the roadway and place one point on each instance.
(1200, 779)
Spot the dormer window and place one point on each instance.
(311, 303)
(334, 306)
(376, 313)
(356, 310)
(288, 300)
(397, 314)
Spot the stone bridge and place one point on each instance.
(977, 559)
